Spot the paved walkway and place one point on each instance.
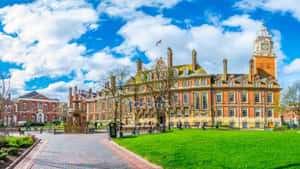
(77, 151)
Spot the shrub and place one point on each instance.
(2, 155)
(25, 141)
(2, 141)
(225, 125)
(282, 128)
(12, 151)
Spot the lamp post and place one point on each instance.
(120, 102)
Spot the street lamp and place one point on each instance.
(120, 102)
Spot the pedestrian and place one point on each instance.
(203, 126)
(95, 125)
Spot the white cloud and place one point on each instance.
(213, 42)
(284, 6)
(42, 45)
(293, 67)
(128, 8)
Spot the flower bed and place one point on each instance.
(12, 147)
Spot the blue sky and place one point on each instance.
(50, 46)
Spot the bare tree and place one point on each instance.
(291, 98)
(117, 78)
(158, 81)
(4, 93)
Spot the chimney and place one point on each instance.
(225, 69)
(170, 57)
(194, 54)
(251, 70)
(113, 81)
(139, 65)
(90, 93)
(75, 92)
(70, 97)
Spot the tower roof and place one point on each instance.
(263, 32)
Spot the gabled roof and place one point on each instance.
(35, 95)
(30, 95)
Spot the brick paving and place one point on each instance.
(77, 151)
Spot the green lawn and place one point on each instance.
(194, 148)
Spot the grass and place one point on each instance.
(194, 148)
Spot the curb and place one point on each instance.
(134, 160)
(22, 156)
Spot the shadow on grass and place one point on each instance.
(130, 136)
(288, 166)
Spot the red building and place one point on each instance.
(35, 107)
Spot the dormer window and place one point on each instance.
(218, 83)
(185, 71)
(269, 84)
(231, 83)
(244, 83)
(176, 72)
(204, 82)
(256, 84)
(175, 84)
(149, 77)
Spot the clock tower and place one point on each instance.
(264, 57)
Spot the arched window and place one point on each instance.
(185, 71)
(149, 77)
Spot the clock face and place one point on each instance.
(265, 46)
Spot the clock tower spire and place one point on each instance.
(263, 56)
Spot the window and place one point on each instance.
(186, 124)
(33, 106)
(91, 117)
(178, 113)
(175, 98)
(204, 101)
(185, 98)
(175, 84)
(185, 84)
(257, 112)
(124, 106)
(231, 97)
(244, 97)
(231, 112)
(24, 106)
(257, 98)
(141, 88)
(172, 114)
(244, 112)
(24, 117)
(40, 106)
(197, 82)
(91, 107)
(186, 113)
(103, 105)
(257, 125)
(197, 101)
(256, 84)
(219, 112)
(46, 106)
(231, 84)
(152, 115)
(33, 118)
(97, 116)
(176, 72)
(149, 77)
(140, 115)
(130, 105)
(146, 115)
(171, 124)
(270, 112)
(185, 71)
(244, 84)
(219, 97)
(204, 82)
(148, 100)
(141, 101)
(245, 125)
(231, 124)
(53, 107)
(197, 124)
(270, 98)
(218, 83)
(269, 84)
